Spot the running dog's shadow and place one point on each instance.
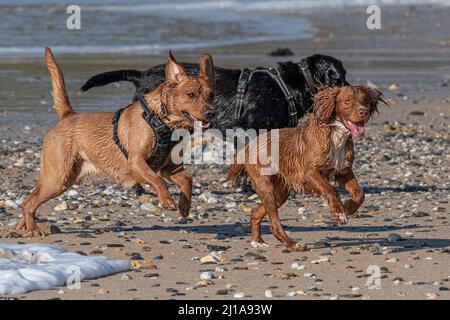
(228, 231)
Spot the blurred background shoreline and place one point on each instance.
(409, 58)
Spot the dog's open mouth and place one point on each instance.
(356, 128)
(192, 119)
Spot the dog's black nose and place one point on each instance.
(363, 111)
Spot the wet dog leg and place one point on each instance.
(323, 187)
(281, 195)
(144, 174)
(349, 182)
(267, 193)
(183, 179)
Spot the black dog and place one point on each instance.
(264, 105)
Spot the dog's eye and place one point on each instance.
(191, 95)
(211, 96)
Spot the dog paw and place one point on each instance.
(168, 205)
(297, 247)
(183, 210)
(35, 233)
(341, 218)
(255, 244)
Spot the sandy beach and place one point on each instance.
(403, 163)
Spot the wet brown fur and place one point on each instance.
(305, 162)
(81, 144)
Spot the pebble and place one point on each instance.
(61, 206)
(11, 204)
(147, 206)
(207, 275)
(203, 215)
(222, 292)
(297, 266)
(239, 295)
(432, 295)
(393, 237)
(268, 294)
(72, 193)
(321, 259)
(214, 257)
(126, 277)
(103, 291)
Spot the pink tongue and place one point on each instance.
(357, 129)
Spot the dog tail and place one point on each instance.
(236, 173)
(60, 98)
(105, 78)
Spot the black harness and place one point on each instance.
(163, 134)
(247, 74)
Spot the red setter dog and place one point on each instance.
(309, 155)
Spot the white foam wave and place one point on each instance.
(271, 5)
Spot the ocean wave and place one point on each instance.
(135, 49)
(271, 5)
(234, 5)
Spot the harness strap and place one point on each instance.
(115, 122)
(303, 65)
(163, 135)
(240, 91)
(274, 73)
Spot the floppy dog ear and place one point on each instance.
(207, 69)
(374, 96)
(174, 71)
(325, 104)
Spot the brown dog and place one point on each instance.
(82, 144)
(308, 156)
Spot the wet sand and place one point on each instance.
(402, 163)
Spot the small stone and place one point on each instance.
(204, 283)
(208, 197)
(288, 275)
(126, 277)
(268, 294)
(297, 266)
(309, 275)
(103, 291)
(207, 275)
(239, 295)
(321, 259)
(61, 206)
(432, 295)
(203, 215)
(72, 193)
(146, 264)
(291, 294)
(147, 206)
(393, 237)
(11, 204)
(214, 257)
(222, 292)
